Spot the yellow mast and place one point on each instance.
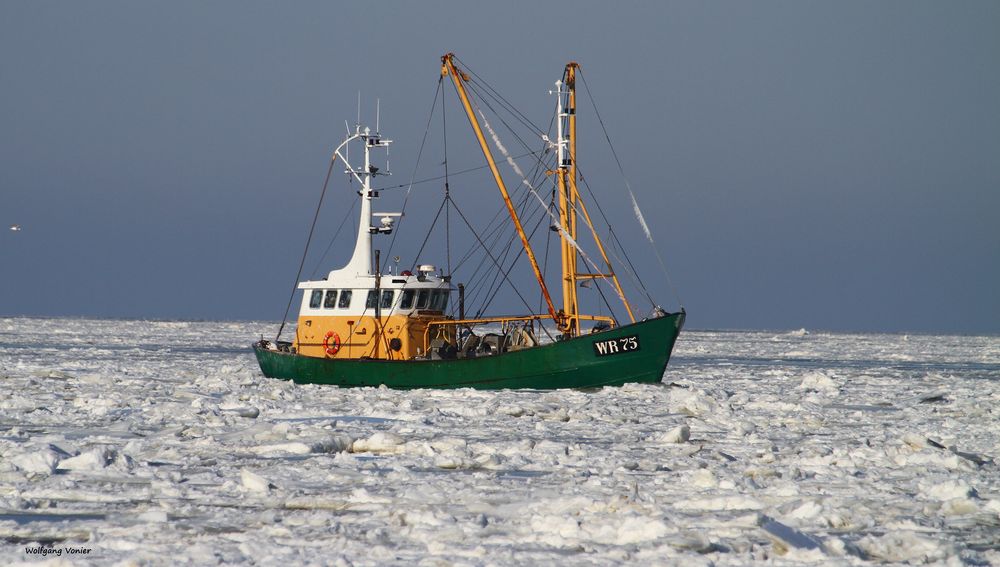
(566, 172)
(568, 177)
(448, 68)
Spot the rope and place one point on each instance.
(354, 203)
(406, 199)
(628, 187)
(453, 174)
(505, 274)
(634, 275)
(302, 263)
(500, 99)
(447, 188)
(428, 235)
(494, 292)
(517, 170)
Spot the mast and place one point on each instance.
(565, 172)
(448, 68)
(361, 260)
(567, 180)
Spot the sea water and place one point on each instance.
(161, 442)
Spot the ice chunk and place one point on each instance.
(637, 529)
(819, 382)
(332, 444)
(904, 546)
(254, 482)
(948, 490)
(679, 434)
(695, 403)
(381, 442)
(703, 478)
(154, 516)
(242, 411)
(786, 537)
(41, 462)
(720, 503)
(92, 460)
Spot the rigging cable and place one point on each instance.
(635, 204)
(500, 99)
(428, 235)
(439, 177)
(548, 241)
(531, 188)
(420, 152)
(496, 282)
(447, 189)
(627, 264)
(499, 267)
(354, 203)
(562, 231)
(302, 263)
(495, 291)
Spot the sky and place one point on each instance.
(819, 165)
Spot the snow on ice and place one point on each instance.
(161, 443)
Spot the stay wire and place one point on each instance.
(428, 235)
(496, 235)
(645, 292)
(496, 94)
(354, 203)
(416, 165)
(539, 162)
(520, 253)
(447, 188)
(627, 263)
(453, 174)
(496, 282)
(302, 263)
(621, 169)
(505, 275)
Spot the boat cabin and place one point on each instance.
(368, 316)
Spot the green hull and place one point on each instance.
(633, 353)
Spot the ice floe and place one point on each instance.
(160, 442)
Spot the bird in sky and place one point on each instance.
(15, 227)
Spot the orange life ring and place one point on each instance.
(332, 346)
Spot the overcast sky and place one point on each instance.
(822, 165)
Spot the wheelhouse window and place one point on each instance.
(422, 298)
(370, 300)
(316, 299)
(444, 299)
(387, 297)
(407, 301)
(435, 300)
(345, 299)
(331, 299)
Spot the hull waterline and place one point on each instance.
(636, 353)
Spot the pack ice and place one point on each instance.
(161, 443)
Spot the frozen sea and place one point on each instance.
(143, 442)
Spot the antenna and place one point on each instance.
(359, 109)
(378, 109)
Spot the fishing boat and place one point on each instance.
(368, 323)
